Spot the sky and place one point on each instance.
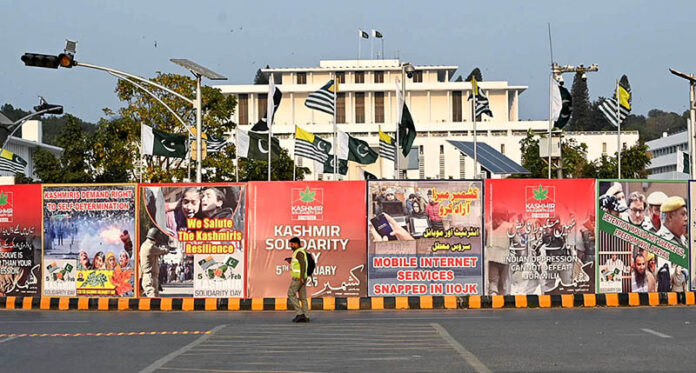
(507, 40)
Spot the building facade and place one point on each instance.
(367, 101)
(25, 147)
(666, 153)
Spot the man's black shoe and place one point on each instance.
(303, 319)
(298, 318)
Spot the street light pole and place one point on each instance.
(16, 125)
(199, 141)
(692, 118)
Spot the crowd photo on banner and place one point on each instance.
(643, 236)
(192, 240)
(328, 218)
(540, 236)
(425, 237)
(88, 233)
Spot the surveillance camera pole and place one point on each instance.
(692, 118)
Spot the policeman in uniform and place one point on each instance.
(675, 221)
(652, 218)
(149, 268)
(298, 267)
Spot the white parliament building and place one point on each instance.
(438, 104)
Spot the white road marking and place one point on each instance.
(470, 358)
(425, 318)
(7, 339)
(45, 322)
(650, 331)
(159, 363)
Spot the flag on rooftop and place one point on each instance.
(363, 34)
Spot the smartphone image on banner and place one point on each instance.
(382, 226)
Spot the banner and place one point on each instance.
(540, 236)
(87, 240)
(191, 240)
(425, 238)
(642, 235)
(20, 240)
(692, 224)
(329, 219)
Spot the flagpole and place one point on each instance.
(399, 115)
(618, 121)
(381, 159)
(372, 45)
(269, 122)
(382, 40)
(359, 37)
(550, 119)
(236, 154)
(473, 118)
(335, 125)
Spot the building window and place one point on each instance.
(604, 147)
(359, 77)
(302, 78)
(442, 149)
(457, 106)
(263, 99)
(341, 76)
(379, 76)
(502, 148)
(441, 76)
(340, 107)
(379, 107)
(243, 108)
(359, 107)
(418, 76)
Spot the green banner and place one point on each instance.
(638, 236)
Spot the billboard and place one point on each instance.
(20, 240)
(191, 240)
(329, 219)
(540, 236)
(692, 231)
(87, 240)
(425, 237)
(642, 242)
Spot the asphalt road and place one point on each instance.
(599, 339)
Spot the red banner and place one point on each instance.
(540, 236)
(20, 234)
(329, 218)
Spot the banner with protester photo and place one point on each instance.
(425, 237)
(20, 240)
(329, 219)
(692, 224)
(642, 242)
(87, 240)
(191, 240)
(540, 236)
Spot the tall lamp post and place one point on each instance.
(692, 117)
(67, 60)
(557, 74)
(407, 70)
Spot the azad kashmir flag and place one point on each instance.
(407, 129)
(11, 162)
(160, 143)
(254, 145)
(482, 104)
(608, 107)
(561, 104)
(311, 146)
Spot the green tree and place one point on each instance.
(580, 120)
(530, 157)
(51, 124)
(250, 170)
(75, 164)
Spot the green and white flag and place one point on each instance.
(407, 129)
(360, 151)
(254, 145)
(156, 142)
(561, 105)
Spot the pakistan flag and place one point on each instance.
(161, 143)
(254, 145)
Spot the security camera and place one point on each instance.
(584, 77)
(559, 79)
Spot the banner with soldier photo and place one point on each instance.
(642, 242)
(540, 236)
(329, 219)
(692, 220)
(425, 237)
(87, 240)
(191, 240)
(20, 240)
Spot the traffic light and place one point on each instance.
(41, 60)
(48, 61)
(66, 60)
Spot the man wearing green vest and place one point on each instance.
(298, 267)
